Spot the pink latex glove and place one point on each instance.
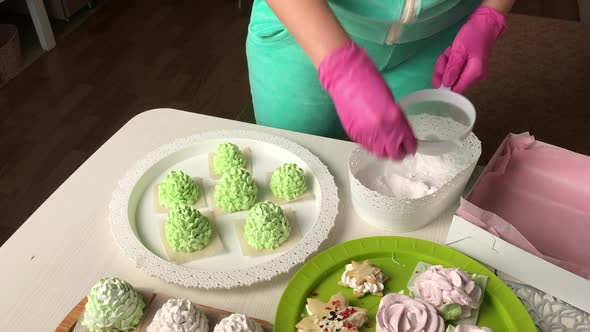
(365, 105)
(466, 60)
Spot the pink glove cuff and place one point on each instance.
(342, 62)
(492, 17)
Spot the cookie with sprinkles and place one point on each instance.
(363, 278)
(336, 315)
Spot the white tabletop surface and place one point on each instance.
(51, 262)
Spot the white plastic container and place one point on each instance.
(406, 215)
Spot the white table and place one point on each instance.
(51, 262)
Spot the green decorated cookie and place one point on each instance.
(113, 305)
(266, 226)
(178, 189)
(187, 230)
(227, 156)
(235, 191)
(288, 182)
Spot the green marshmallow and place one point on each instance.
(227, 156)
(235, 191)
(113, 305)
(187, 230)
(266, 226)
(288, 182)
(178, 189)
(450, 312)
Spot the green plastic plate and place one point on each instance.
(501, 310)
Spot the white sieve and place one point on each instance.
(441, 119)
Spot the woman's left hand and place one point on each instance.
(465, 61)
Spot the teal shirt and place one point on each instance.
(403, 37)
(385, 26)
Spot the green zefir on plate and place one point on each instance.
(397, 257)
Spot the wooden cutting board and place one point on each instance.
(72, 322)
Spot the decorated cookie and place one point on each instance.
(334, 315)
(113, 305)
(467, 328)
(401, 313)
(178, 189)
(187, 230)
(452, 291)
(363, 278)
(227, 156)
(288, 182)
(266, 226)
(179, 315)
(237, 323)
(235, 191)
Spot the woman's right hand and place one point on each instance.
(365, 105)
(363, 100)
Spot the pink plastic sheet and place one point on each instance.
(537, 197)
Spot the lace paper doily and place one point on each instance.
(160, 268)
(549, 313)
(410, 214)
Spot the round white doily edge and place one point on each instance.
(155, 266)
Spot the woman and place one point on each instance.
(364, 52)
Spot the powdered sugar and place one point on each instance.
(419, 175)
(414, 177)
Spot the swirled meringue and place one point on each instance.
(237, 323)
(179, 315)
(401, 313)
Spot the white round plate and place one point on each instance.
(136, 225)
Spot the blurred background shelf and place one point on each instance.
(64, 18)
(560, 9)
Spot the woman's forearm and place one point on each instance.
(503, 6)
(313, 25)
